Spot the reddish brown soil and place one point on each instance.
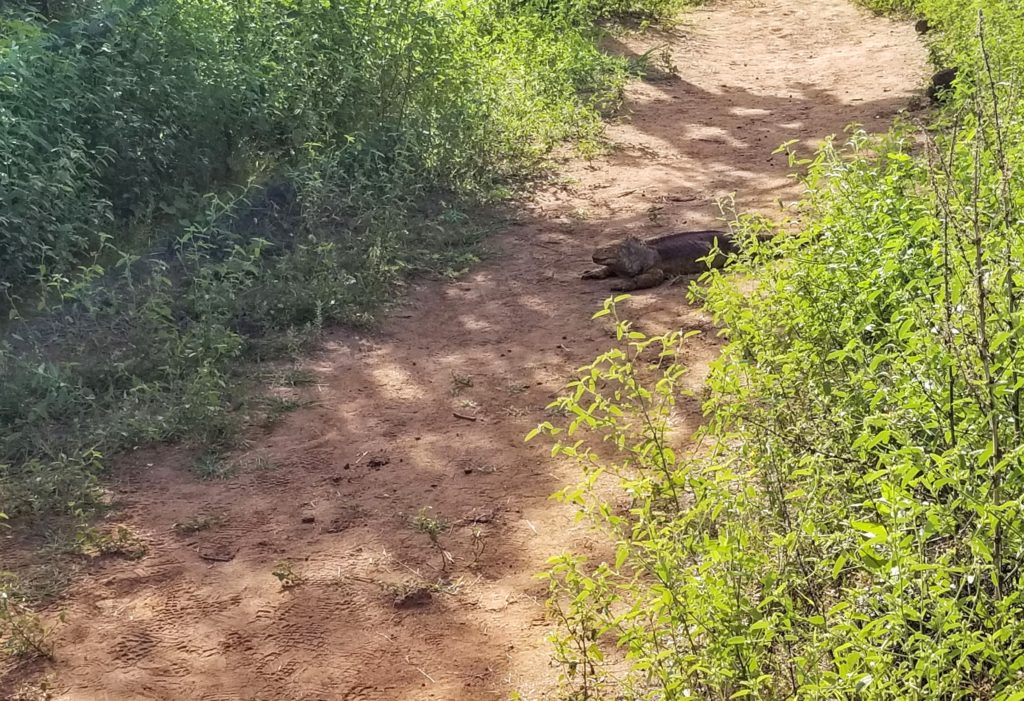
(202, 618)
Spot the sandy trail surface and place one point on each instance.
(334, 488)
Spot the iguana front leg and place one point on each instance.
(598, 273)
(649, 278)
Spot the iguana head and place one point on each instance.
(628, 258)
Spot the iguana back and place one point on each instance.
(648, 262)
(680, 253)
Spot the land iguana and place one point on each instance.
(643, 263)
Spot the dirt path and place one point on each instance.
(202, 618)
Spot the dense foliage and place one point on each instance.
(851, 524)
(114, 117)
(190, 186)
(891, 6)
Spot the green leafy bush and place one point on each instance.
(850, 522)
(191, 187)
(892, 6)
(132, 108)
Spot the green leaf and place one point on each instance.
(874, 531)
(621, 555)
(999, 339)
(838, 566)
(986, 455)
